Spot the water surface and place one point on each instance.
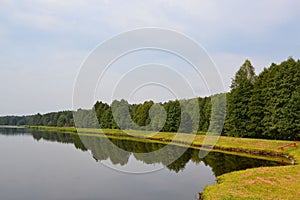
(43, 165)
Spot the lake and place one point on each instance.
(60, 166)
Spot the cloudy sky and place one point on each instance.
(43, 43)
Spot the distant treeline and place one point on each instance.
(166, 117)
(60, 119)
(263, 106)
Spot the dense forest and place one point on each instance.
(258, 106)
(267, 105)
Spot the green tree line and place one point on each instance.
(60, 119)
(258, 106)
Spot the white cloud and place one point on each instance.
(41, 21)
(251, 17)
(90, 15)
(3, 31)
(209, 17)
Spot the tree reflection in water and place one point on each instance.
(118, 152)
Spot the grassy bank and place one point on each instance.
(260, 183)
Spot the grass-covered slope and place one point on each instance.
(259, 183)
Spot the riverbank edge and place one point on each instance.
(209, 191)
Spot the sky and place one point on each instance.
(43, 43)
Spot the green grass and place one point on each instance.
(281, 182)
(257, 183)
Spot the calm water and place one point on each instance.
(43, 165)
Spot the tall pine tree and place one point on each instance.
(238, 101)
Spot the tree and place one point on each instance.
(173, 116)
(186, 124)
(204, 113)
(273, 106)
(61, 121)
(121, 114)
(218, 113)
(141, 114)
(100, 109)
(238, 100)
(158, 117)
